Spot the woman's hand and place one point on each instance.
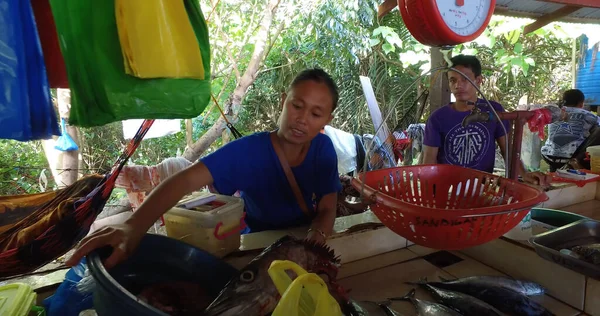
(123, 238)
(316, 236)
(537, 178)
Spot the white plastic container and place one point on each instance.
(522, 231)
(214, 227)
(594, 152)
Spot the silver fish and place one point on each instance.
(503, 299)
(426, 308)
(368, 308)
(523, 287)
(465, 304)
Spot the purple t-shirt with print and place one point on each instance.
(473, 146)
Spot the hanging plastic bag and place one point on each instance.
(55, 64)
(26, 112)
(14, 113)
(65, 142)
(306, 295)
(157, 39)
(101, 91)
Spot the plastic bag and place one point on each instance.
(65, 142)
(306, 295)
(55, 64)
(26, 112)
(157, 39)
(101, 91)
(74, 295)
(538, 122)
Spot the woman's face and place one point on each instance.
(306, 110)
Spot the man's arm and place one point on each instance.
(323, 222)
(537, 178)
(430, 155)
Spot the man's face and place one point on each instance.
(306, 110)
(462, 89)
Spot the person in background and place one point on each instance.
(565, 138)
(474, 146)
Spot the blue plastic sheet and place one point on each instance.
(26, 111)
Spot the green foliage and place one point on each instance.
(345, 39)
(21, 164)
(536, 65)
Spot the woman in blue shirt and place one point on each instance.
(252, 166)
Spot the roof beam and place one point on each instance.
(580, 3)
(550, 17)
(386, 7)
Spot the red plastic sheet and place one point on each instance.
(538, 122)
(55, 64)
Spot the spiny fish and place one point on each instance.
(503, 299)
(252, 292)
(426, 308)
(465, 304)
(589, 253)
(523, 287)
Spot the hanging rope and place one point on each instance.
(232, 128)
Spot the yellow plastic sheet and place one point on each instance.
(306, 295)
(157, 39)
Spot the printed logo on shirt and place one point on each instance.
(466, 146)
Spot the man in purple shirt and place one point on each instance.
(474, 146)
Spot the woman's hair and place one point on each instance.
(320, 76)
(468, 61)
(573, 97)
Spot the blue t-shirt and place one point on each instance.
(473, 146)
(251, 166)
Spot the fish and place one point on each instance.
(503, 299)
(426, 308)
(368, 308)
(589, 253)
(523, 287)
(464, 304)
(252, 292)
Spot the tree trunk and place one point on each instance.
(234, 103)
(70, 159)
(64, 165)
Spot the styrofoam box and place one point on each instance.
(200, 228)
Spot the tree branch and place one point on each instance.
(288, 64)
(219, 25)
(273, 39)
(235, 100)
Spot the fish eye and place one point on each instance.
(247, 276)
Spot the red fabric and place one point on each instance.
(400, 144)
(539, 121)
(55, 64)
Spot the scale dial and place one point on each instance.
(446, 22)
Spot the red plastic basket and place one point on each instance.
(445, 206)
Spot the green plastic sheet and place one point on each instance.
(101, 91)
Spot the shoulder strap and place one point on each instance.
(288, 173)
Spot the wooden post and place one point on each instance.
(439, 93)
(574, 63)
